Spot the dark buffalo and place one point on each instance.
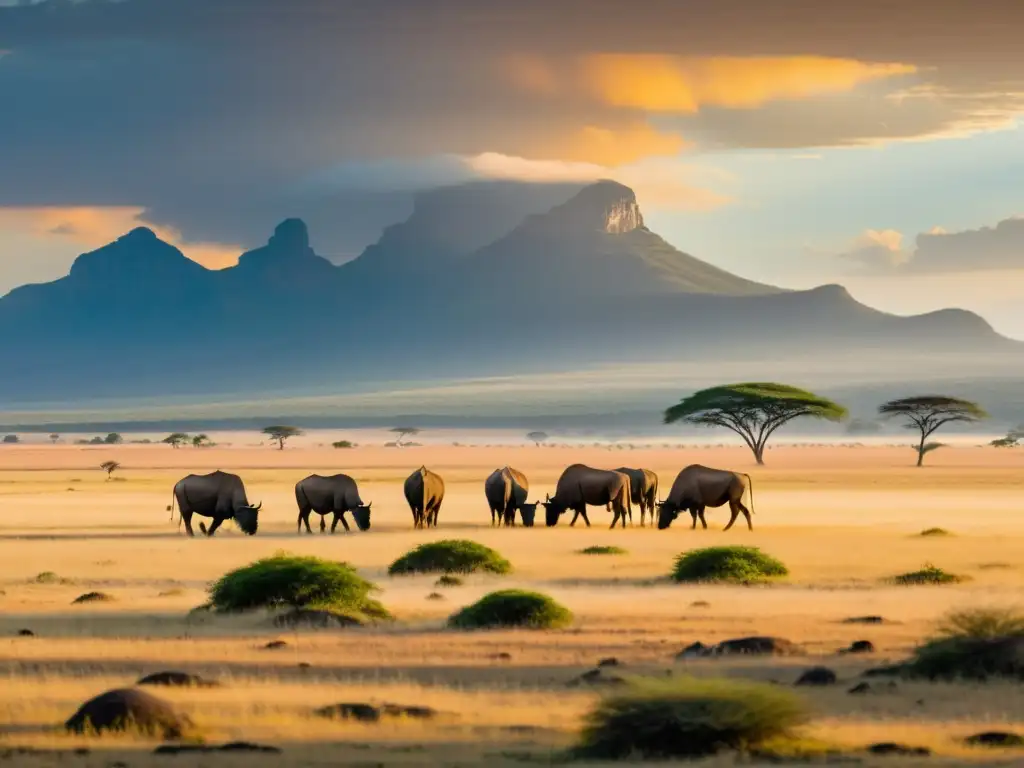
(643, 486)
(424, 490)
(580, 485)
(697, 487)
(335, 495)
(219, 495)
(506, 490)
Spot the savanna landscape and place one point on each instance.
(845, 521)
(448, 265)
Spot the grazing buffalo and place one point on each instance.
(336, 495)
(643, 486)
(580, 485)
(506, 490)
(218, 495)
(424, 490)
(528, 512)
(697, 487)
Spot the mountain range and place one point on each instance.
(482, 279)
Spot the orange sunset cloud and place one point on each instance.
(676, 84)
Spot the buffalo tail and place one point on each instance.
(750, 484)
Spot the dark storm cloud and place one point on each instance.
(212, 113)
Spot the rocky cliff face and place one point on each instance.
(606, 206)
(623, 216)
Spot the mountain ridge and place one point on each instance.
(580, 282)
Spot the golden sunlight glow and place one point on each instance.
(662, 83)
(87, 228)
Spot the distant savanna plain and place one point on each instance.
(844, 520)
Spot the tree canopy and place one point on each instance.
(927, 413)
(281, 433)
(404, 432)
(110, 467)
(537, 437)
(175, 439)
(752, 410)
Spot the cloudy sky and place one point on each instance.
(877, 144)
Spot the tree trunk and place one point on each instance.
(920, 451)
(280, 443)
(759, 455)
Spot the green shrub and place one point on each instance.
(512, 608)
(448, 581)
(929, 574)
(973, 644)
(737, 565)
(981, 624)
(660, 719)
(450, 556)
(48, 577)
(296, 582)
(603, 550)
(343, 444)
(935, 532)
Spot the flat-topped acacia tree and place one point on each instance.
(927, 413)
(753, 410)
(280, 433)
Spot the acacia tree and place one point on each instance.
(753, 411)
(404, 432)
(281, 433)
(201, 440)
(109, 467)
(537, 437)
(54, 438)
(927, 413)
(176, 439)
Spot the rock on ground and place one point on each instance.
(171, 679)
(130, 709)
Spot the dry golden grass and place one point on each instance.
(842, 519)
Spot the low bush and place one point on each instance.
(974, 645)
(603, 550)
(297, 582)
(448, 581)
(512, 608)
(736, 565)
(450, 556)
(664, 719)
(935, 532)
(929, 574)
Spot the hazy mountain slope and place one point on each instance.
(581, 284)
(595, 247)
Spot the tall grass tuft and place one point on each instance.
(973, 644)
(687, 718)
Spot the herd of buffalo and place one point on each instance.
(221, 496)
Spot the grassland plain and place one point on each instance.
(843, 520)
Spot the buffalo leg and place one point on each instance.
(703, 522)
(323, 523)
(344, 523)
(615, 518)
(186, 517)
(732, 518)
(214, 526)
(693, 514)
(746, 514)
(303, 518)
(493, 516)
(583, 511)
